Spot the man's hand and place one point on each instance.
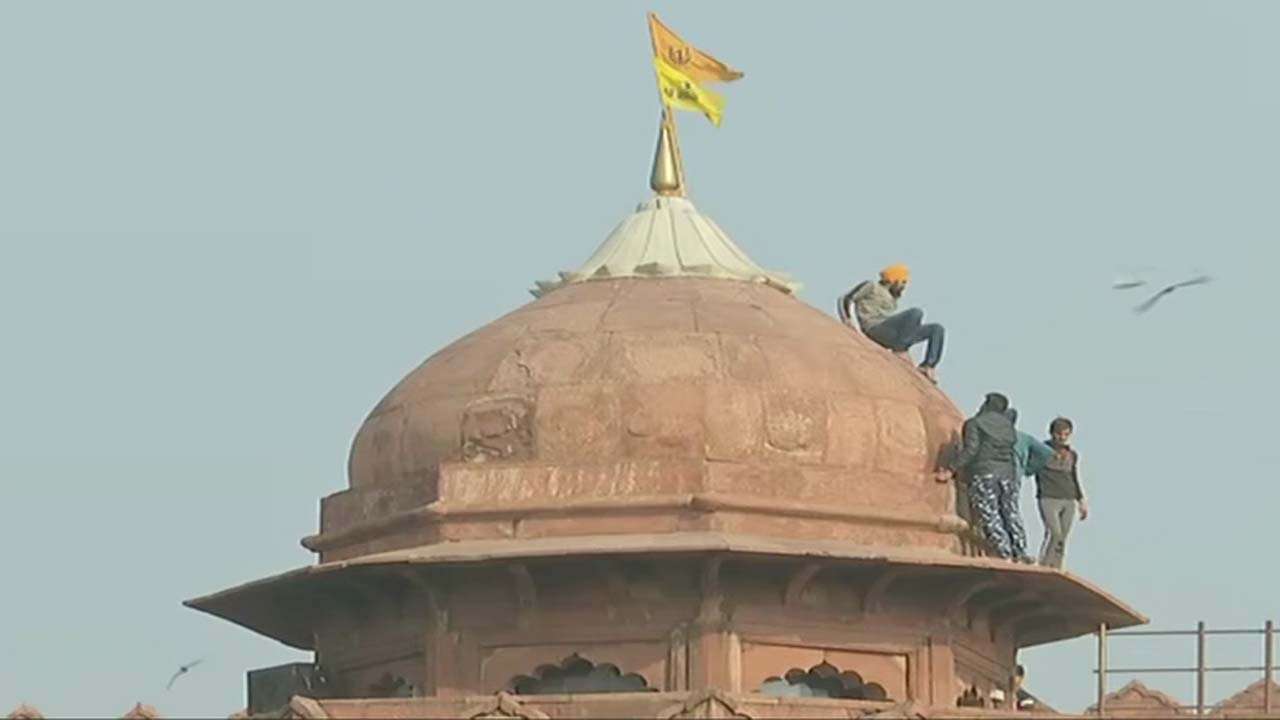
(944, 475)
(1084, 510)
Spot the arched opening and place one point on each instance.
(576, 674)
(823, 680)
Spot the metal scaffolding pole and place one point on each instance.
(1269, 665)
(1102, 670)
(1200, 665)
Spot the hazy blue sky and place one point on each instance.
(227, 228)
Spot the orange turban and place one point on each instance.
(895, 274)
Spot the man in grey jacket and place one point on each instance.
(875, 306)
(1059, 493)
(987, 456)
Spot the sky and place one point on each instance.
(226, 229)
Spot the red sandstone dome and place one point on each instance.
(668, 469)
(663, 489)
(644, 371)
(702, 397)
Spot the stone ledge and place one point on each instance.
(441, 513)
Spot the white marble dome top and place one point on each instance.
(668, 237)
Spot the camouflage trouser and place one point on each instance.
(995, 508)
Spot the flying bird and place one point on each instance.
(182, 670)
(1130, 278)
(1127, 283)
(1151, 302)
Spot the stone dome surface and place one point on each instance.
(706, 389)
(661, 369)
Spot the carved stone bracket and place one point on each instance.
(502, 707)
(615, 580)
(525, 590)
(304, 708)
(1055, 618)
(956, 605)
(1009, 623)
(431, 592)
(677, 659)
(370, 592)
(873, 598)
(347, 599)
(991, 613)
(799, 581)
(707, 704)
(711, 610)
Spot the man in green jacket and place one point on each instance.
(1029, 454)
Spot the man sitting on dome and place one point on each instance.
(875, 305)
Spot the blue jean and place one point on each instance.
(901, 331)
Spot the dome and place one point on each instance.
(666, 237)
(710, 383)
(665, 463)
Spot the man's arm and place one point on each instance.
(1039, 455)
(863, 299)
(844, 308)
(968, 447)
(1080, 499)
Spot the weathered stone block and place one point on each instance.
(662, 315)
(454, 529)
(742, 359)
(734, 422)
(664, 420)
(903, 443)
(498, 428)
(431, 434)
(851, 431)
(733, 318)
(660, 521)
(496, 484)
(760, 480)
(578, 318)
(575, 423)
(545, 361)
(373, 454)
(662, 357)
(351, 507)
(795, 424)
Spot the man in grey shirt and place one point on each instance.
(1059, 493)
(875, 306)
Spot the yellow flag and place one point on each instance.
(698, 65)
(680, 91)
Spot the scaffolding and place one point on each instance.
(1201, 669)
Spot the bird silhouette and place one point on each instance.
(1130, 278)
(1151, 301)
(182, 670)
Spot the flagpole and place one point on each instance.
(669, 118)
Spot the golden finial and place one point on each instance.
(666, 176)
